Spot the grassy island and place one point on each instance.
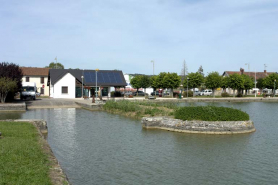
(139, 109)
(22, 158)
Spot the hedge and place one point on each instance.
(210, 113)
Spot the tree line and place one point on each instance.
(212, 81)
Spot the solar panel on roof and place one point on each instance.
(103, 77)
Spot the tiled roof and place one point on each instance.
(251, 74)
(34, 71)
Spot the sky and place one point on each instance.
(219, 35)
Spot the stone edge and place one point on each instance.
(57, 175)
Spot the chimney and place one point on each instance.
(264, 71)
(241, 70)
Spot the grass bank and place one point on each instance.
(22, 158)
(139, 109)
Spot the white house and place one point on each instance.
(37, 75)
(69, 83)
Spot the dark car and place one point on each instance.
(154, 94)
(140, 93)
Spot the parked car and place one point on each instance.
(127, 93)
(197, 93)
(207, 92)
(140, 93)
(154, 94)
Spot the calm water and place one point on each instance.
(101, 148)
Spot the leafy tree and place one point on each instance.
(260, 83)
(159, 80)
(201, 71)
(225, 83)
(172, 81)
(270, 80)
(145, 81)
(13, 72)
(248, 83)
(153, 83)
(213, 81)
(53, 65)
(236, 81)
(6, 85)
(184, 71)
(194, 80)
(136, 82)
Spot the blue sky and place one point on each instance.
(220, 35)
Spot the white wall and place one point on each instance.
(37, 80)
(56, 89)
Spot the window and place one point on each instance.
(65, 90)
(42, 80)
(27, 78)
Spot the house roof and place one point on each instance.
(104, 77)
(258, 75)
(34, 71)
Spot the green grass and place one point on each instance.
(22, 160)
(210, 113)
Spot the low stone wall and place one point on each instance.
(12, 107)
(202, 127)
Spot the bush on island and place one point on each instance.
(210, 113)
(225, 94)
(190, 94)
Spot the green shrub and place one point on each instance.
(124, 106)
(225, 94)
(210, 113)
(239, 95)
(190, 94)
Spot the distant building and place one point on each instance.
(37, 75)
(67, 83)
(251, 74)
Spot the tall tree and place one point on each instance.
(184, 71)
(270, 80)
(260, 83)
(6, 85)
(13, 72)
(145, 82)
(248, 83)
(236, 81)
(172, 81)
(213, 81)
(194, 80)
(53, 65)
(201, 71)
(225, 83)
(136, 82)
(153, 83)
(159, 81)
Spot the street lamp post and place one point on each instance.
(82, 86)
(96, 82)
(181, 90)
(153, 66)
(187, 87)
(274, 87)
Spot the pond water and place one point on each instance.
(102, 148)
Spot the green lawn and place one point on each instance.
(22, 160)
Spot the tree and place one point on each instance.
(159, 80)
(172, 81)
(136, 82)
(184, 71)
(145, 82)
(260, 83)
(236, 81)
(225, 83)
(194, 80)
(13, 72)
(53, 65)
(270, 80)
(6, 85)
(201, 71)
(213, 81)
(153, 83)
(248, 83)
